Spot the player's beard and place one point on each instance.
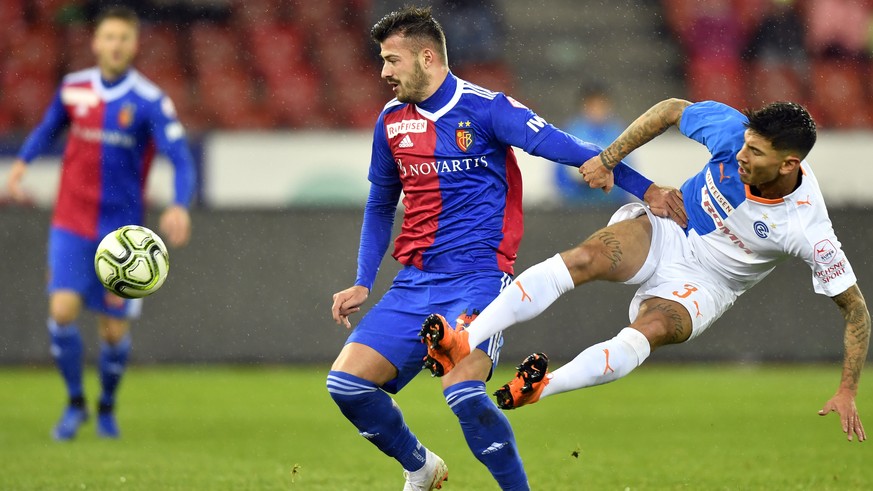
(415, 90)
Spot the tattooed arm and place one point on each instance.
(652, 123)
(597, 171)
(856, 339)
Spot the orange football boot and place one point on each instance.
(446, 346)
(528, 384)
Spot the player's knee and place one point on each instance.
(580, 262)
(663, 324)
(64, 310)
(113, 331)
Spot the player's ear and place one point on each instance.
(789, 164)
(428, 57)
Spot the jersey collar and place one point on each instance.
(118, 88)
(443, 100)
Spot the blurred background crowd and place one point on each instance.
(256, 64)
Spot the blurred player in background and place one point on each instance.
(116, 118)
(446, 144)
(754, 204)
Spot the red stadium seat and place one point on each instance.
(769, 82)
(361, 96)
(296, 100)
(229, 100)
(838, 94)
(214, 46)
(77, 48)
(34, 51)
(716, 79)
(27, 98)
(277, 49)
(494, 76)
(254, 13)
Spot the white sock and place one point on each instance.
(525, 298)
(601, 363)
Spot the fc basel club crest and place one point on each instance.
(464, 138)
(125, 115)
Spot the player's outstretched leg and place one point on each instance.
(446, 346)
(67, 348)
(528, 384)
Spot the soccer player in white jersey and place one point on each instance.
(754, 204)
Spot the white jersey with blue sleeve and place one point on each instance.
(741, 237)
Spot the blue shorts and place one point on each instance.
(71, 267)
(391, 327)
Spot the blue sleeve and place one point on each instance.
(717, 126)
(518, 126)
(52, 125)
(376, 231)
(169, 136)
(383, 170)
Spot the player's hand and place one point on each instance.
(667, 202)
(596, 175)
(175, 225)
(843, 403)
(347, 302)
(13, 183)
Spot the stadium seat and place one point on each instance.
(494, 76)
(254, 13)
(716, 79)
(34, 51)
(838, 94)
(77, 48)
(230, 102)
(278, 49)
(27, 98)
(769, 82)
(362, 97)
(296, 100)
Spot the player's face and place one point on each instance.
(114, 45)
(759, 161)
(402, 69)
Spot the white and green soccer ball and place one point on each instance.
(132, 261)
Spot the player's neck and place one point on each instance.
(110, 77)
(778, 188)
(436, 82)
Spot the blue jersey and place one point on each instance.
(114, 130)
(452, 157)
(742, 237)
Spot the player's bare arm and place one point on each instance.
(856, 340)
(347, 302)
(644, 129)
(652, 123)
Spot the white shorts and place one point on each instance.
(673, 272)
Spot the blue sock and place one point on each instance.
(113, 360)
(67, 351)
(376, 417)
(488, 433)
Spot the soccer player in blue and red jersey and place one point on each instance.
(116, 120)
(446, 144)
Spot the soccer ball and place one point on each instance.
(132, 261)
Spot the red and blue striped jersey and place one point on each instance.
(452, 157)
(114, 130)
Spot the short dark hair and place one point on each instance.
(786, 125)
(119, 12)
(416, 23)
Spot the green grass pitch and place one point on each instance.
(695, 427)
